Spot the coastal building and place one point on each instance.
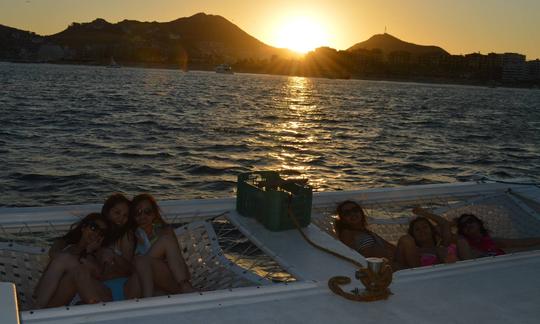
(533, 69)
(514, 67)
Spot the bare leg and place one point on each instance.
(65, 292)
(407, 255)
(163, 277)
(50, 280)
(167, 248)
(143, 266)
(90, 289)
(464, 249)
(132, 287)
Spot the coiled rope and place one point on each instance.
(376, 284)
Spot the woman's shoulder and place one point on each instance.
(166, 229)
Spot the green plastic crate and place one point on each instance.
(265, 196)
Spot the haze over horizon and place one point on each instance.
(459, 27)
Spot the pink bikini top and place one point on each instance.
(486, 245)
(427, 259)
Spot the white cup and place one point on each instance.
(374, 264)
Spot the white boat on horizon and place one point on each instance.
(249, 274)
(224, 68)
(113, 64)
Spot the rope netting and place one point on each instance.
(504, 214)
(218, 256)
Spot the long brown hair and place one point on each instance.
(75, 233)
(339, 223)
(434, 233)
(117, 232)
(148, 197)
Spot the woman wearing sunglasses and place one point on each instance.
(159, 263)
(476, 242)
(351, 228)
(115, 258)
(59, 282)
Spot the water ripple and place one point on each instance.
(73, 134)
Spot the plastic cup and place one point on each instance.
(374, 264)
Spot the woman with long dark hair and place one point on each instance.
(425, 243)
(117, 256)
(159, 262)
(476, 242)
(58, 284)
(351, 228)
(111, 276)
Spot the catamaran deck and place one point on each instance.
(502, 289)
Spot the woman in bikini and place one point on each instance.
(112, 276)
(59, 282)
(351, 228)
(475, 242)
(425, 244)
(117, 279)
(158, 262)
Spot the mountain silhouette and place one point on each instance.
(200, 40)
(199, 36)
(14, 41)
(388, 44)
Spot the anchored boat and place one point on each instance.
(247, 273)
(224, 68)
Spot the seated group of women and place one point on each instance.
(429, 239)
(126, 251)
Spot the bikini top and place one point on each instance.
(486, 245)
(143, 242)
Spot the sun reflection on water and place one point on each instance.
(296, 133)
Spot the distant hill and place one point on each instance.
(199, 39)
(18, 44)
(388, 44)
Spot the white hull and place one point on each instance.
(503, 289)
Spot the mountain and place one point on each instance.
(388, 44)
(17, 44)
(199, 40)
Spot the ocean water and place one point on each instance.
(74, 134)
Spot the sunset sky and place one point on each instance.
(458, 26)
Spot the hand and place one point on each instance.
(94, 245)
(92, 266)
(107, 256)
(450, 258)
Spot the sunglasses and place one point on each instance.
(94, 227)
(145, 211)
(351, 211)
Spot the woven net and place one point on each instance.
(504, 214)
(217, 254)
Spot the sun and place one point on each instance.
(301, 34)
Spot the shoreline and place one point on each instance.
(210, 68)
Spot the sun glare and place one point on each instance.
(301, 35)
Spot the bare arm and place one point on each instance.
(385, 250)
(377, 251)
(517, 243)
(463, 249)
(58, 245)
(347, 237)
(123, 261)
(443, 223)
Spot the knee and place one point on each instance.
(406, 241)
(65, 261)
(80, 272)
